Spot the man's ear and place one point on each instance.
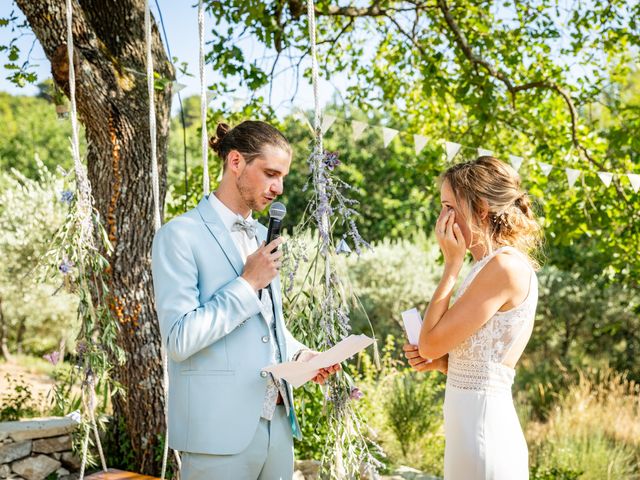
(235, 162)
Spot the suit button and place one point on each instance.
(265, 339)
(263, 374)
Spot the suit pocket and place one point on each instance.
(211, 358)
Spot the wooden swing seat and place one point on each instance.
(113, 474)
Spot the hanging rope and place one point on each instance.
(152, 117)
(84, 209)
(156, 215)
(83, 187)
(317, 126)
(203, 104)
(314, 73)
(90, 406)
(165, 382)
(182, 121)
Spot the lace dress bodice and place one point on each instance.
(477, 363)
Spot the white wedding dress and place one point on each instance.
(484, 440)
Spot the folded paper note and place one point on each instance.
(298, 373)
(412, 325)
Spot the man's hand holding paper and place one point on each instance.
(318, 366)
(323, 373)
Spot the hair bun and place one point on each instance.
(221, 130)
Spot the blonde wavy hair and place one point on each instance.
(489, 185)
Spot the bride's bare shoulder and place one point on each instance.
(513, 268)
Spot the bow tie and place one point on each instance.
(246, 226)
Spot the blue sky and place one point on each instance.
(181, 24)
(180, 19)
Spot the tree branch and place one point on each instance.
(513, 90)
(297, 9)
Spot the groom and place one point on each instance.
(221, 324)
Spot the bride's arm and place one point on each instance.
(452, 244)
(497, 283)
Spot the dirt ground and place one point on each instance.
(39, 383)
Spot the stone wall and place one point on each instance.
(35, 449)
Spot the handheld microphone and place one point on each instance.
(276, 214)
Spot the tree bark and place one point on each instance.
(4, 348)
(20, 331)
(112, 102)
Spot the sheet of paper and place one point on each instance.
(298, 373)
(412, 325)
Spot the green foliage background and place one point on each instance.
(509, 92)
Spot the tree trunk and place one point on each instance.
(112, 101)
(20, 331)
(4, 348)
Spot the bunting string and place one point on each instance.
(453, 149)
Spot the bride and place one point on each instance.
(478, 339)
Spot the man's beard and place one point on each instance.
(246, 194)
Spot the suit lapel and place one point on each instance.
(214, 224)
(276, 299)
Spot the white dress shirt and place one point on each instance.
(246, 246)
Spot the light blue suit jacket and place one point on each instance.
(214, 331)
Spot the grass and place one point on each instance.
(594, 428)
(32, 364)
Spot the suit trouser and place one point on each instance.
(269, 456)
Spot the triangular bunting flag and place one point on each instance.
(177, 86)
(388, 134)
(238, 103)
(452, 150)
(327, 121)
(483, 152)
(299, 114)
(634, 178)
(358, 128)
(210, 94)
(343, 247)
(606, 177)
(572, 175)
(516, 162)
(419, 141)
(546, 168)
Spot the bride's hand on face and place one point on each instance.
(450, 238)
